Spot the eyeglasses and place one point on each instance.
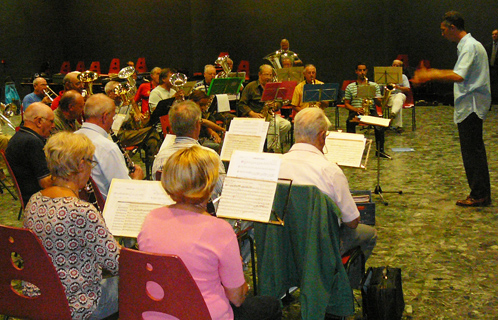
(93, 163)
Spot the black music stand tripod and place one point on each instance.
(378, 188)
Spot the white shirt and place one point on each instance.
(304, 164)
(110, 160)
(158, 94)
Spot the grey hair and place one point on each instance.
(110, 86)
(97, 105)
(308, 123)
(207, 66)
(183, 117)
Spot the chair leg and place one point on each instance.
(414, 121)
(253, 266)
(7, 188)
(20, 213)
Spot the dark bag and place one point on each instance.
(382, 294)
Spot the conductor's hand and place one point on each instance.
(422, 75)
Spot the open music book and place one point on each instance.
(128, 203)
(376, 121)
(249, 187)
(346, 149)
(246, 134)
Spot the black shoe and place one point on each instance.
(399, 130)
(383, 155)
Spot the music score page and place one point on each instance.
(250, 185)
(245, 134)
(345, 149)
(129, 202)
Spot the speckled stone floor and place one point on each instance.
(447, 254)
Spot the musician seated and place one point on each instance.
(70, 82)
(211, 133)
(25, 150)
(209, 75)
(134, 129)
(78, 256)
(69, 112)
(250, 104)
(297, 98)
(164, 90)
(357, 106)
(305, 164)
(38, 95)
(99, 115)
(398, 98)
(287, 62)
(207, 245)
(143, 92)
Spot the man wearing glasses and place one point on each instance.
(25, 150)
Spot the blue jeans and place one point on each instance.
(108, 302)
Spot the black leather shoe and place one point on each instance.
(383, 155)
(471, 202)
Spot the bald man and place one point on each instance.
(70, 82)
(39, 85)
(68, 113)
(398, 98)
(286, 53)
(25, 150)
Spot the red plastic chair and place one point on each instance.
(14, 182)
(345, 83)
(114, 67)
(141, 67)
(166, 125)
(137, 270)
(95, 67)
(244, 66)
(37, 268)
(409, 104)
(65, 67)
(80, 66)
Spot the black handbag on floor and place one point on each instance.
(382, 294)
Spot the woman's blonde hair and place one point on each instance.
(190, 174)
(64, 152)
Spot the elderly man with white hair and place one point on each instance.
(306, 164)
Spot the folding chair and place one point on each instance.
(37, 269)
(138, 271)
(14, 183)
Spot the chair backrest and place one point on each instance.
(37, 269)
(95, 67)
(80, 66)
(65, 67)
(244, 67)
(139, 271)
(166, 125)
(14, 181)
(141, 67)
(114, 67)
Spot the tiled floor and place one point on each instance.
(448, 254)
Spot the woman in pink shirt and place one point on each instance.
(207, 245)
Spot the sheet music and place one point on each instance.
(249, 126)
(168, 141)
(118, 122)
(129, 201)
(223, 103)
(246, 199)
(258, 166)
(345, 149)
(376, 121)
(242, 142)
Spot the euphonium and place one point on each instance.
(178, 80)
(223, 62)
(88, 77)
(388, 89)
(49, 93)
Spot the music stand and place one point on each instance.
(187, 87)
(225, 85)
(385, 75)
(320, 92)
(290, 74)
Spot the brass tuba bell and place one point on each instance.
(88, 77)
(223, 62)
(178, 80)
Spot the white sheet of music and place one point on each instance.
(250, 186)
(129, 202)
(377, 121)
(249, 126)
(223, 103)
(118, 122)
(233, 142)
(345, 149)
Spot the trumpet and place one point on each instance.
(87, 77)
(178, 80)
(49, 93)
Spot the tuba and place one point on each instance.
(127, 73)
(87, 77)
(178, 80)
(388, 89)
(223, 62)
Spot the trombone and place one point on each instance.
(7, 111)
(49, 93)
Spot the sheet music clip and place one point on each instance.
(280, 221)
(320, 92)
